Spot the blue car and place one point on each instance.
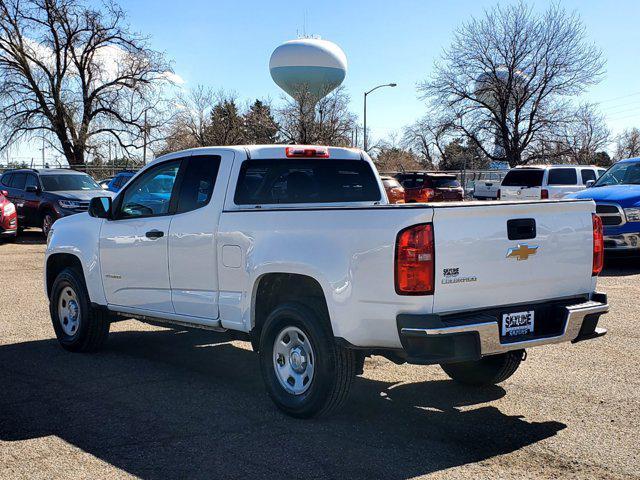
(617, 197)
(120, 180)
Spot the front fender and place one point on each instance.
(79, 235)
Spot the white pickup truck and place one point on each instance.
(297, 250)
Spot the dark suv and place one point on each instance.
(43, 196)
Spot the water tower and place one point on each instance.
(308, 67)
(488, 88)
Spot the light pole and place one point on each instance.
(365, 108)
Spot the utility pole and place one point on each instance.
(144, 148)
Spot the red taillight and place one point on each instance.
(426, 194)
(415, 260)
(544, 194)
(308, 152)
(598, 245)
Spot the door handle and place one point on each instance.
(154, 234)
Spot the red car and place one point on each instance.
(395, 192)
(422, 187)
(8, 217)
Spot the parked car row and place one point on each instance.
(422, 187)
(43, 196)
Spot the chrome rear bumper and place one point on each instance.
(488, 332)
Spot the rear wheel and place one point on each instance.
(305, 372)
(78, 326)
(489, 370)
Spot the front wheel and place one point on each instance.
(305, 372)
(47, 223)
(78, 326)
(489, 370)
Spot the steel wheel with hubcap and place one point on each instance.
(79, 326)
(305, 371)
(69, 311)
(293, 360)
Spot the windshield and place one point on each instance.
(445, 182)
(57, 183)
(625, 173)
(523, 178)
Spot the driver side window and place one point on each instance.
(150, 195)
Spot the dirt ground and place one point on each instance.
(158, 403)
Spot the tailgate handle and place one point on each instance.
(521, 228)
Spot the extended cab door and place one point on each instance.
(193, 263)
(134, 244)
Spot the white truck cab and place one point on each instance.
(540, 182)
(296, 249)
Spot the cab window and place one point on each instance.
(305, 181)
(151, 193)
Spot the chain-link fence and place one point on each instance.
(98, 172)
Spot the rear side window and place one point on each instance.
(19, 180)
(587, 175)
(305, 181)
(523, 178)
(562, 176)
(198, 182)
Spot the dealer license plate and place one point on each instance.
(517, 323)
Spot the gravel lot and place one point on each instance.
(157, 403)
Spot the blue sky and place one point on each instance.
(227, 45)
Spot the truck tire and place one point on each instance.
(305, 371)
(79, 327)
(489, 370)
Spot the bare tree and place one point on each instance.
(77, 75)
(507, 76)
(628, 144)
(194, 115)
(327, 121)
(584, 135)
(392, 156)
(429, 136)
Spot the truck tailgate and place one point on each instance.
(477, 265)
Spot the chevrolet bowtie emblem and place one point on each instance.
(521, 252)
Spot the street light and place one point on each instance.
(365, 108)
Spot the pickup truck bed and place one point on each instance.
(297, 249)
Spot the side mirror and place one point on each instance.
(100, 207)
(32, 189)
(590, 183)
